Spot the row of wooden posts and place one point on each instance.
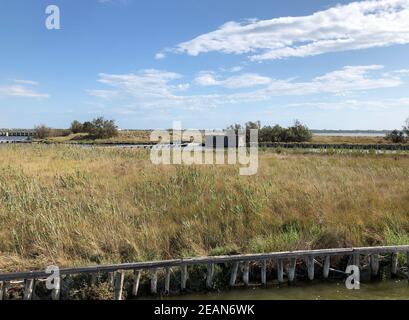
(116, 273)
(330, 146)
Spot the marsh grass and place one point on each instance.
(73, 206)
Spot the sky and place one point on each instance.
(206, 63)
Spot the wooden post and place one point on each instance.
(118, 284)
(111, 278)
(28, 289)
(94, 279)
(374, 264)
(1, 290)
(327, 264)
(210, 274)
(136, 281)
(407, 262)
(167, 280)
(183, 277)
(310, 267)
(6, 288)
(291, 269)
(264, 273)
(154, 281)
(280, 271)
(246, 273)
(394, 264)
(356, 260)
(55, 293)
(233, 275)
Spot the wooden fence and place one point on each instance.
(116, 272)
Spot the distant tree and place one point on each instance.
(251, 126)
(236, 127)
(278, 133)
(266, 134)
(76, 127)
(100, 128)
(87, 127)
(42, 131)
(396, 136)
(298, 133)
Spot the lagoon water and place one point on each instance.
(12, 139)
(382, 290)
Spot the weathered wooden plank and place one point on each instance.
(28, 289)
(246, 273)
(327, 264)
(1, 289)
(118, 284)
(407, 263)
(356, 260)
(6, 287)
(233, 275)
(264, 272)
(111, 278)
(394, 264)
(94, 279)
(184, 276)
(167, 280)
(154, 281)
(291, 269)
(280, 271)
(136, 280)
(204, 260)
(55, 293)
(310, 267)
(374, 264)
(210, 274)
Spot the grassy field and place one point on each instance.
(77, 206)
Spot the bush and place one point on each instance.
(42, 131)
(76, 127)
(396, 136)
(102, 129)
(296, 133)
(99, 128)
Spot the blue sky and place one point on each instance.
(207, 63)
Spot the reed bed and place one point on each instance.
(74, 206)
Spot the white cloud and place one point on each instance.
(162, 89)
(358, 25)
(345, 80)
(26, 82)
(402, 71)
(22, 90)
(103, 94)
(160, 55)
(368, 105)
(246, 80)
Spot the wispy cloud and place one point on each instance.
(26, 82)
(367, 105)
(22, 89)
(348, 79)
(246, 80)
(163, 89)
(358, 25)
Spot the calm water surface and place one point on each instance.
(384, 290)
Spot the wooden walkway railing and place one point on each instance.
(116, 272)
